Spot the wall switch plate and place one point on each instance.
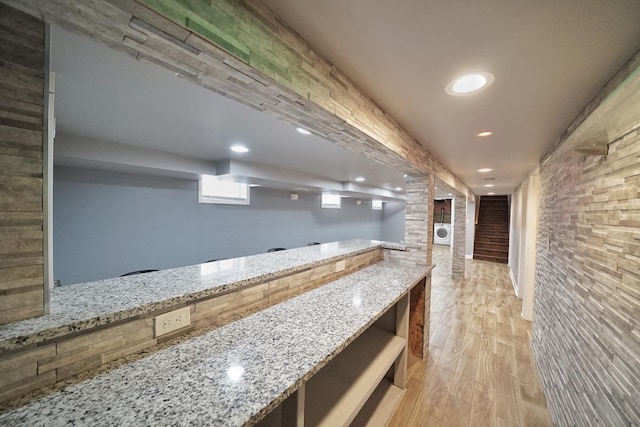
(340, 265)
(171, 321)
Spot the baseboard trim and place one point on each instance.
(514, 282)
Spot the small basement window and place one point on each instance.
(213, 190)
(376, 205)
(330, 201)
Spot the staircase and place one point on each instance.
(492, 230)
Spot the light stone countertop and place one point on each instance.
(236, 374)
(88, 305)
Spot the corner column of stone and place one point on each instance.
(21, 185)
(459, 237)
(417, 237)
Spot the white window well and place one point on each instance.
(330, 201)
(213, 190)
(376, 205)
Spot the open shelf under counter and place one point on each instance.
(335, 395)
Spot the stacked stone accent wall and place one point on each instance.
(459, 237)
(586, 329)
(243, 51)
(21, 166)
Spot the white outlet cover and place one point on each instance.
(340, 265)
(171, 321)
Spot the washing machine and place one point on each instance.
(442, 234)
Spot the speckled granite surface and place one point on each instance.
(236, 374)
(391, 245)
(87, 305)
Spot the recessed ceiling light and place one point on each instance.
(469, 83)
(398, 188)
(435, 187)
(484, 170)
(488, 185)
(484, 134)
(450, 194)
(303, 131)
(360, 179)
(405, 175)
(239, 148)
(491, 194)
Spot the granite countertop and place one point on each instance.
(88, 305)
(236, 374)
(391, 245)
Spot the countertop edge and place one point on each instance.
(41, 337)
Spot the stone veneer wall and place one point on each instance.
(243, 51)
(24, 370)
(21, 167)
(586, 329)
(459, 237)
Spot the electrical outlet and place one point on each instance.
(340, 265)
(172, 321)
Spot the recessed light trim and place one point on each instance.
(398, 188)
(303, 131)
(469, 83)
(360, 179)
(484, 170)
(237, 148)
(405, 175)
(488, 185)
(491, 194)
(484, 133)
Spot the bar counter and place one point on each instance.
(238, 373)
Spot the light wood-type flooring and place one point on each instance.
(480, 369)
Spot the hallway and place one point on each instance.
(480, 369)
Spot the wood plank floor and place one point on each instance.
(480, 369)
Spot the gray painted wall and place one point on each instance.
(107, 223)
(393, 221)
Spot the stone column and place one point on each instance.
(21, 174)
(418, 239)
(459, 237)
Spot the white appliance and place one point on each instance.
(442, 234)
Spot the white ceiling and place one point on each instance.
(109, 96)
(549, 58)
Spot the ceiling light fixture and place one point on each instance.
(239, 148)
(484, 134)
(398, 188)
(469, 83)
(484, 170)
(491, 194)
(303, 131)
(360, 179)
(488, 185)
(405, 175)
